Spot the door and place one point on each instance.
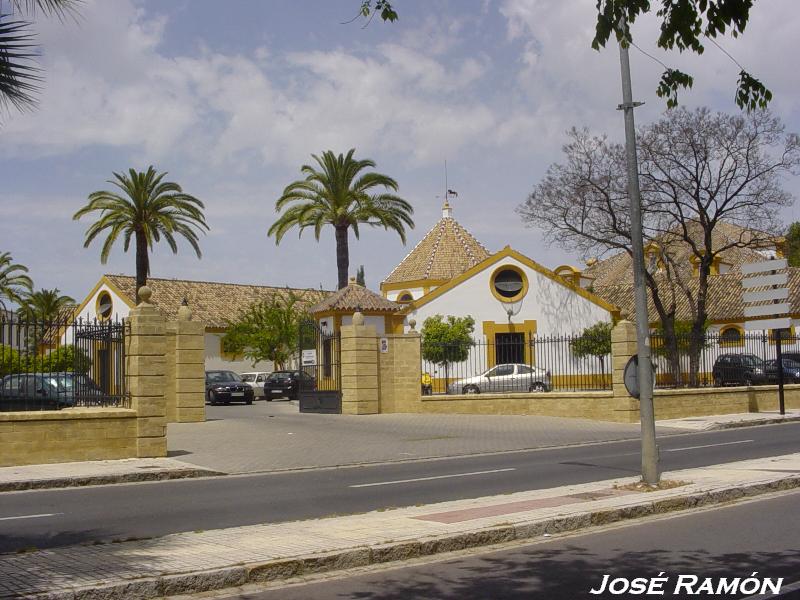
(509, 348)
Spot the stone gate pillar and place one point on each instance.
(145, 349)
(185, 369)
(359, 364)
(623, 346)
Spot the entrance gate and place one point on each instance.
(320, 388)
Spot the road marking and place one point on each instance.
(362, 485)
(30, 516)
(709, 446)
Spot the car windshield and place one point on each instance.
(222, 376)
(790, 364)
(279, 377)
(248, 377)
(749, 360)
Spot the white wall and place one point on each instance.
(119, 308)
(215, 361)
(416, 292)
(377, 321)
(555, 308)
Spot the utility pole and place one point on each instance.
(650, 471)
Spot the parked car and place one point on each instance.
(256, 380)
(795, 356)
(28, 391)
(77, 388)
(738, 369)
(504, 378)
(287, 384)
(227, 387)
(791, 370)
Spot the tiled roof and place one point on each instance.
(212, 303)
(724, 297)
(356, 297)
(617, 268)
(446, 251)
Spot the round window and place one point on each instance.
(104, 305)
(508, 283)
(405, 298)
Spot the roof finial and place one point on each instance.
(447, 212)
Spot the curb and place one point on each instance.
(285, 568)
(754, 423)
(64, 482)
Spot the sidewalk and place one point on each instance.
(730, 421)
(200, 561)
(96, 472)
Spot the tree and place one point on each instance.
(44, 305)
(447, 341)
(594, 341)
(14, 284)
(19, 74)
(684, 24)
(360, 276)
(793, 244)
(267, 330)
(698, 171)
(338, 194)
(10, 361)
(149, 210)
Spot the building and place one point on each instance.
(212, 303)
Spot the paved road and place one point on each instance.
(269, 436)
(83, 515)
(725, 542)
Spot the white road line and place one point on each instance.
(362, 485)
(30, 516)
(709, 446)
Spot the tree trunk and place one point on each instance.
(670, 341)
(697, 337)
(342, 254)
(142, 262)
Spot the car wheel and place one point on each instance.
(212, 397)
(718, 381)
(471, 389)
(537, 387)
(248, 401)
(748, 381)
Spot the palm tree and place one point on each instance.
(19, 73)
(45, 305)
(338, 194)
(14, 284)
(152, 209)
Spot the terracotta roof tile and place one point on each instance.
(212, 303)
(356, 297)
(446, 251)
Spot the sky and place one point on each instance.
(232, 98)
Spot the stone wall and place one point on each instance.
(185, 388)
(73, 434)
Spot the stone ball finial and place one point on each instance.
(412, 323)
(358, 318)
(144, 294)
(352, 280)
(184, 312)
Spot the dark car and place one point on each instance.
(287, 384)
(791, 370)
(77, 389)
(28, 391)
(227, 387)
(738, 369)
(795, 356)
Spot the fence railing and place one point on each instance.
(513, 362)
(50, 365)
(730, 358)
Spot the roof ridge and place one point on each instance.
(272, 287)
(440, 226)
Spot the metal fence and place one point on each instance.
(50, 365)
(512, 362)
(730, 358)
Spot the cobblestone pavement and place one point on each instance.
(198, 561)
(269, 436)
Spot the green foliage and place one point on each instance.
(62, 359)
(594, 341)
(44, 305)
(148, 210)
(671, 80)
(447, 341)
(683, 337)
(267, 330)
(793, 244)
(14, 283)
(382, 7)
(360, 276)
(336, 193)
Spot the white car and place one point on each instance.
(256, 380)
(511, 377)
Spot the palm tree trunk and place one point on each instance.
(342, 254)
(142, 262)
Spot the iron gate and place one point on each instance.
(320, 389)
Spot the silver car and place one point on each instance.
(504, 378)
